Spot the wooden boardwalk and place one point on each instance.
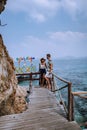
(44, 113)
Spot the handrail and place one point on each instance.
(30, 78)
(61, 99)
(70, 96)
(60, 78)
(33, 73)
(79, 94)
(60, 88)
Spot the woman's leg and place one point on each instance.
(48, 83)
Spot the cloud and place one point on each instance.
(70, 43)
(75, 8)
(41, 10)
(68, 36)
(59, 44)
(37, 9)
(38, 17)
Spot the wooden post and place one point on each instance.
(30, 84)
(70, 103)
(53, 84)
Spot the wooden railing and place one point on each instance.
(28, 76)
(81, 95)
(70, 110)
(68, 85)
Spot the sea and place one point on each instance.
(75, 71)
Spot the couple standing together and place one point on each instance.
(46, 70)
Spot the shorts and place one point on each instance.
(48, 75)
(43, 71)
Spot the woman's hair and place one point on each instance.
(42, 59)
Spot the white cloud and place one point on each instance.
(43, 9)
(68, 36)
(75, 8)
(37, 9)
(38, 17)
(59, 44)
(70, 6)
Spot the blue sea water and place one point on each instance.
(75, 71)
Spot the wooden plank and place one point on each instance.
(43, 114)
(80, 92)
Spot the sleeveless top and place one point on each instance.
(42, 66)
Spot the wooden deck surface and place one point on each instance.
(44, 113)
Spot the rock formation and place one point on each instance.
(2, 5)
(12, 97)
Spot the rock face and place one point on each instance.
(2, 5)
(12, 97)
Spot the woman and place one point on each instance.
(42, 69)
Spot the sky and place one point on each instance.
(37, 27)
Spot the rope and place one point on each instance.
(60, 96)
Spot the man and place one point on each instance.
(48, 75)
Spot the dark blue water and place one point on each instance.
(74, 70)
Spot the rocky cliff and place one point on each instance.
(12, 97)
